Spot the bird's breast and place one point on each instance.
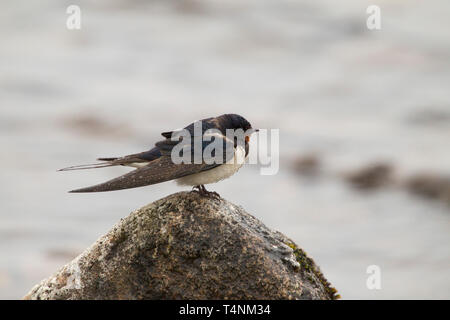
(218, 173)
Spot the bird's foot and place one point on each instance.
(196, 189)
(205, 193)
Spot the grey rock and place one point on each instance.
(186, 246)
(430, 185)
(373, 176)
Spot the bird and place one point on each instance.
(156, 165)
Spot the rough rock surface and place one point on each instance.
(186, 246)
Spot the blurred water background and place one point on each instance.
(310, 68)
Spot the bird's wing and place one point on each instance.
(166, 147)
(207, 123)
(160, 170)
(162, 147)
(145, 156)
(141, 157)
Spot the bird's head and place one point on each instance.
(235, 122)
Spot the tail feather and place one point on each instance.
(89, 166)
(107, 159)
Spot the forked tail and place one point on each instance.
(89, 166)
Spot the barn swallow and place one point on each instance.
(156, 165)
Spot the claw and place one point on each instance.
(205, 193)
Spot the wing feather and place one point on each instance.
(160, 167)
(157, 171)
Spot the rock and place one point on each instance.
(371, 177)
(186, 246)
(430, 116)
(430, 185)
(308, 165)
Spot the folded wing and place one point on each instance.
(162, 169)
(157, 171)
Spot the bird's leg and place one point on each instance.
(197, 189)
(207, 193)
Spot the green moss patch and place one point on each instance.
(307, 265)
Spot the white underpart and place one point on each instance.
(137, 164)
(218, 173)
